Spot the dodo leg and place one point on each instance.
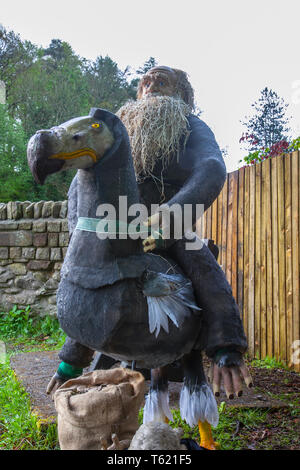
(157, 401)
(197, 402)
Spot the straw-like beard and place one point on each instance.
(157, 126)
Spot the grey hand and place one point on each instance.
(54, 384)
(232, 376)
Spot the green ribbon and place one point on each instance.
(112, 227)
(66, 370)
(116, 227)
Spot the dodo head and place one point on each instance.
(79, 143)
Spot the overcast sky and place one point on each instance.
(231, 49)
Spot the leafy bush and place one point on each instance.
(269, 363)
(21, 326)
(279, 148)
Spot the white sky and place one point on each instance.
(231, 49)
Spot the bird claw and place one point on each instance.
(210, 445)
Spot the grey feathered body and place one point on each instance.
(101, 299)
(114, 319)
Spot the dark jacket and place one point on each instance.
(196, 177)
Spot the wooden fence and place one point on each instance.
(255, 223)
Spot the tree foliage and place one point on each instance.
(107, 84)
(267, 130)
(151, 62)
(268, 125)
(45, 87)
(15, 176)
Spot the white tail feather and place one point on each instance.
(198, 404)
(157, 407)
(176, 302)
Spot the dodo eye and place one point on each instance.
(95, 125)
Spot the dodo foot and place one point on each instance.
(206, 437)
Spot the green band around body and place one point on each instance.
(113, 227)
(66, 370)
(117, 227)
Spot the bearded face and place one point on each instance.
(157, 122)
(159, 81)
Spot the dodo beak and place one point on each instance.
(39, 152)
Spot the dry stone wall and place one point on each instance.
(33, 242)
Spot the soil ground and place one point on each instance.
(35, 369)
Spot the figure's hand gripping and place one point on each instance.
(229, 367)
(54, 384)
(156, 235)
(160, 225)
(64, 372)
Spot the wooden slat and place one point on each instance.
(288, 256)
(234, 250)
(263, 263)
(229, 228)
(257, 310)
(246, 249)
(219, 229)
(268, 196)
(208, 222)
(214, 220)
(275, 277)
(240, 245)
(281, 258)
(295, 246)
(204, 230)
(224, 226)
(251, 308)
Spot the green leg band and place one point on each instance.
(66, 370)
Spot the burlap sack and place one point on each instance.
(96, 405)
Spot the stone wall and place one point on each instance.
(33, 242)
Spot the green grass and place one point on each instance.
(269, 363)
(224, 433)
(20, 429)
(20, 328)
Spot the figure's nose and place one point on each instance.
(152, 88)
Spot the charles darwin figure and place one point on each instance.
(178, 161)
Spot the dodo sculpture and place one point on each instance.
(113, 297)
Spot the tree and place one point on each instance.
(107, 84)
(15, 177)
(149, 64)
(16, 56)
(52, 90)
(268, 125)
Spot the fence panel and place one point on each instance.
(255, 223)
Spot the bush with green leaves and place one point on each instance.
(19, 325)
(279, 148)
(16, 179)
